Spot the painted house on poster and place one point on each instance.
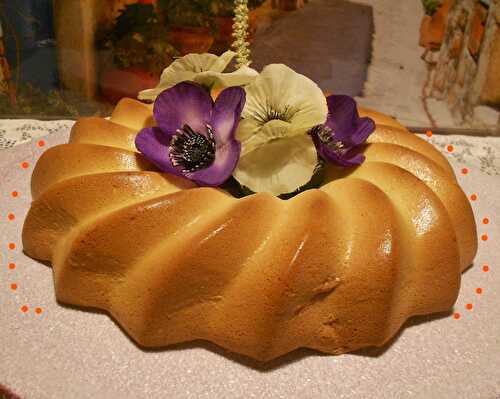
(467, 74)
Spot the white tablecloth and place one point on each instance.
(51, 351)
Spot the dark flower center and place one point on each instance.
(327, 137)
(269, 112)
(192, 150)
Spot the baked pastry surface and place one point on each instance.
(334, 269)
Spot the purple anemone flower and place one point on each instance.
(195, 137)
(337, 140)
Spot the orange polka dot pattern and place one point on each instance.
(484, 237)
(11, 246)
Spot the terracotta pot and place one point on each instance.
(118, 83)
(253, 21)
(224, 27)
(191, 39)
(289, 5)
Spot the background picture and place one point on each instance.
(430, 63)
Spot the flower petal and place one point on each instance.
(185, 103)
(353, 158)
(227, 113)
(365, 127)
(226, 158)
(152, 94)
(220, 62)
(218, 80)
(348, 157)
(280, 167)
(187, 68)
(342, 115)
(281, 89)
(154, 143)
(344, 120)
(281, 96)
(257, 135)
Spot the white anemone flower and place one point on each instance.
(205, 69)
(278, 155)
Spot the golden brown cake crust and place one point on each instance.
(334, 269)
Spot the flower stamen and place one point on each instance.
(327, 137)
(269, 113)
(192, 150)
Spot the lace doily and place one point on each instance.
(480, 151)
(18, 131)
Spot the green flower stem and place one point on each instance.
(240, 33)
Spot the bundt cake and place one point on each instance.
(333, 269)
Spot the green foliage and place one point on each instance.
(199, 12)
(431, 6)
(193, 13)
(138, 37)
(225, 8)
(32, 101)
(135, 18)
(222, 8)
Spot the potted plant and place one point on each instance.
(190, 24)
(137, 49)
